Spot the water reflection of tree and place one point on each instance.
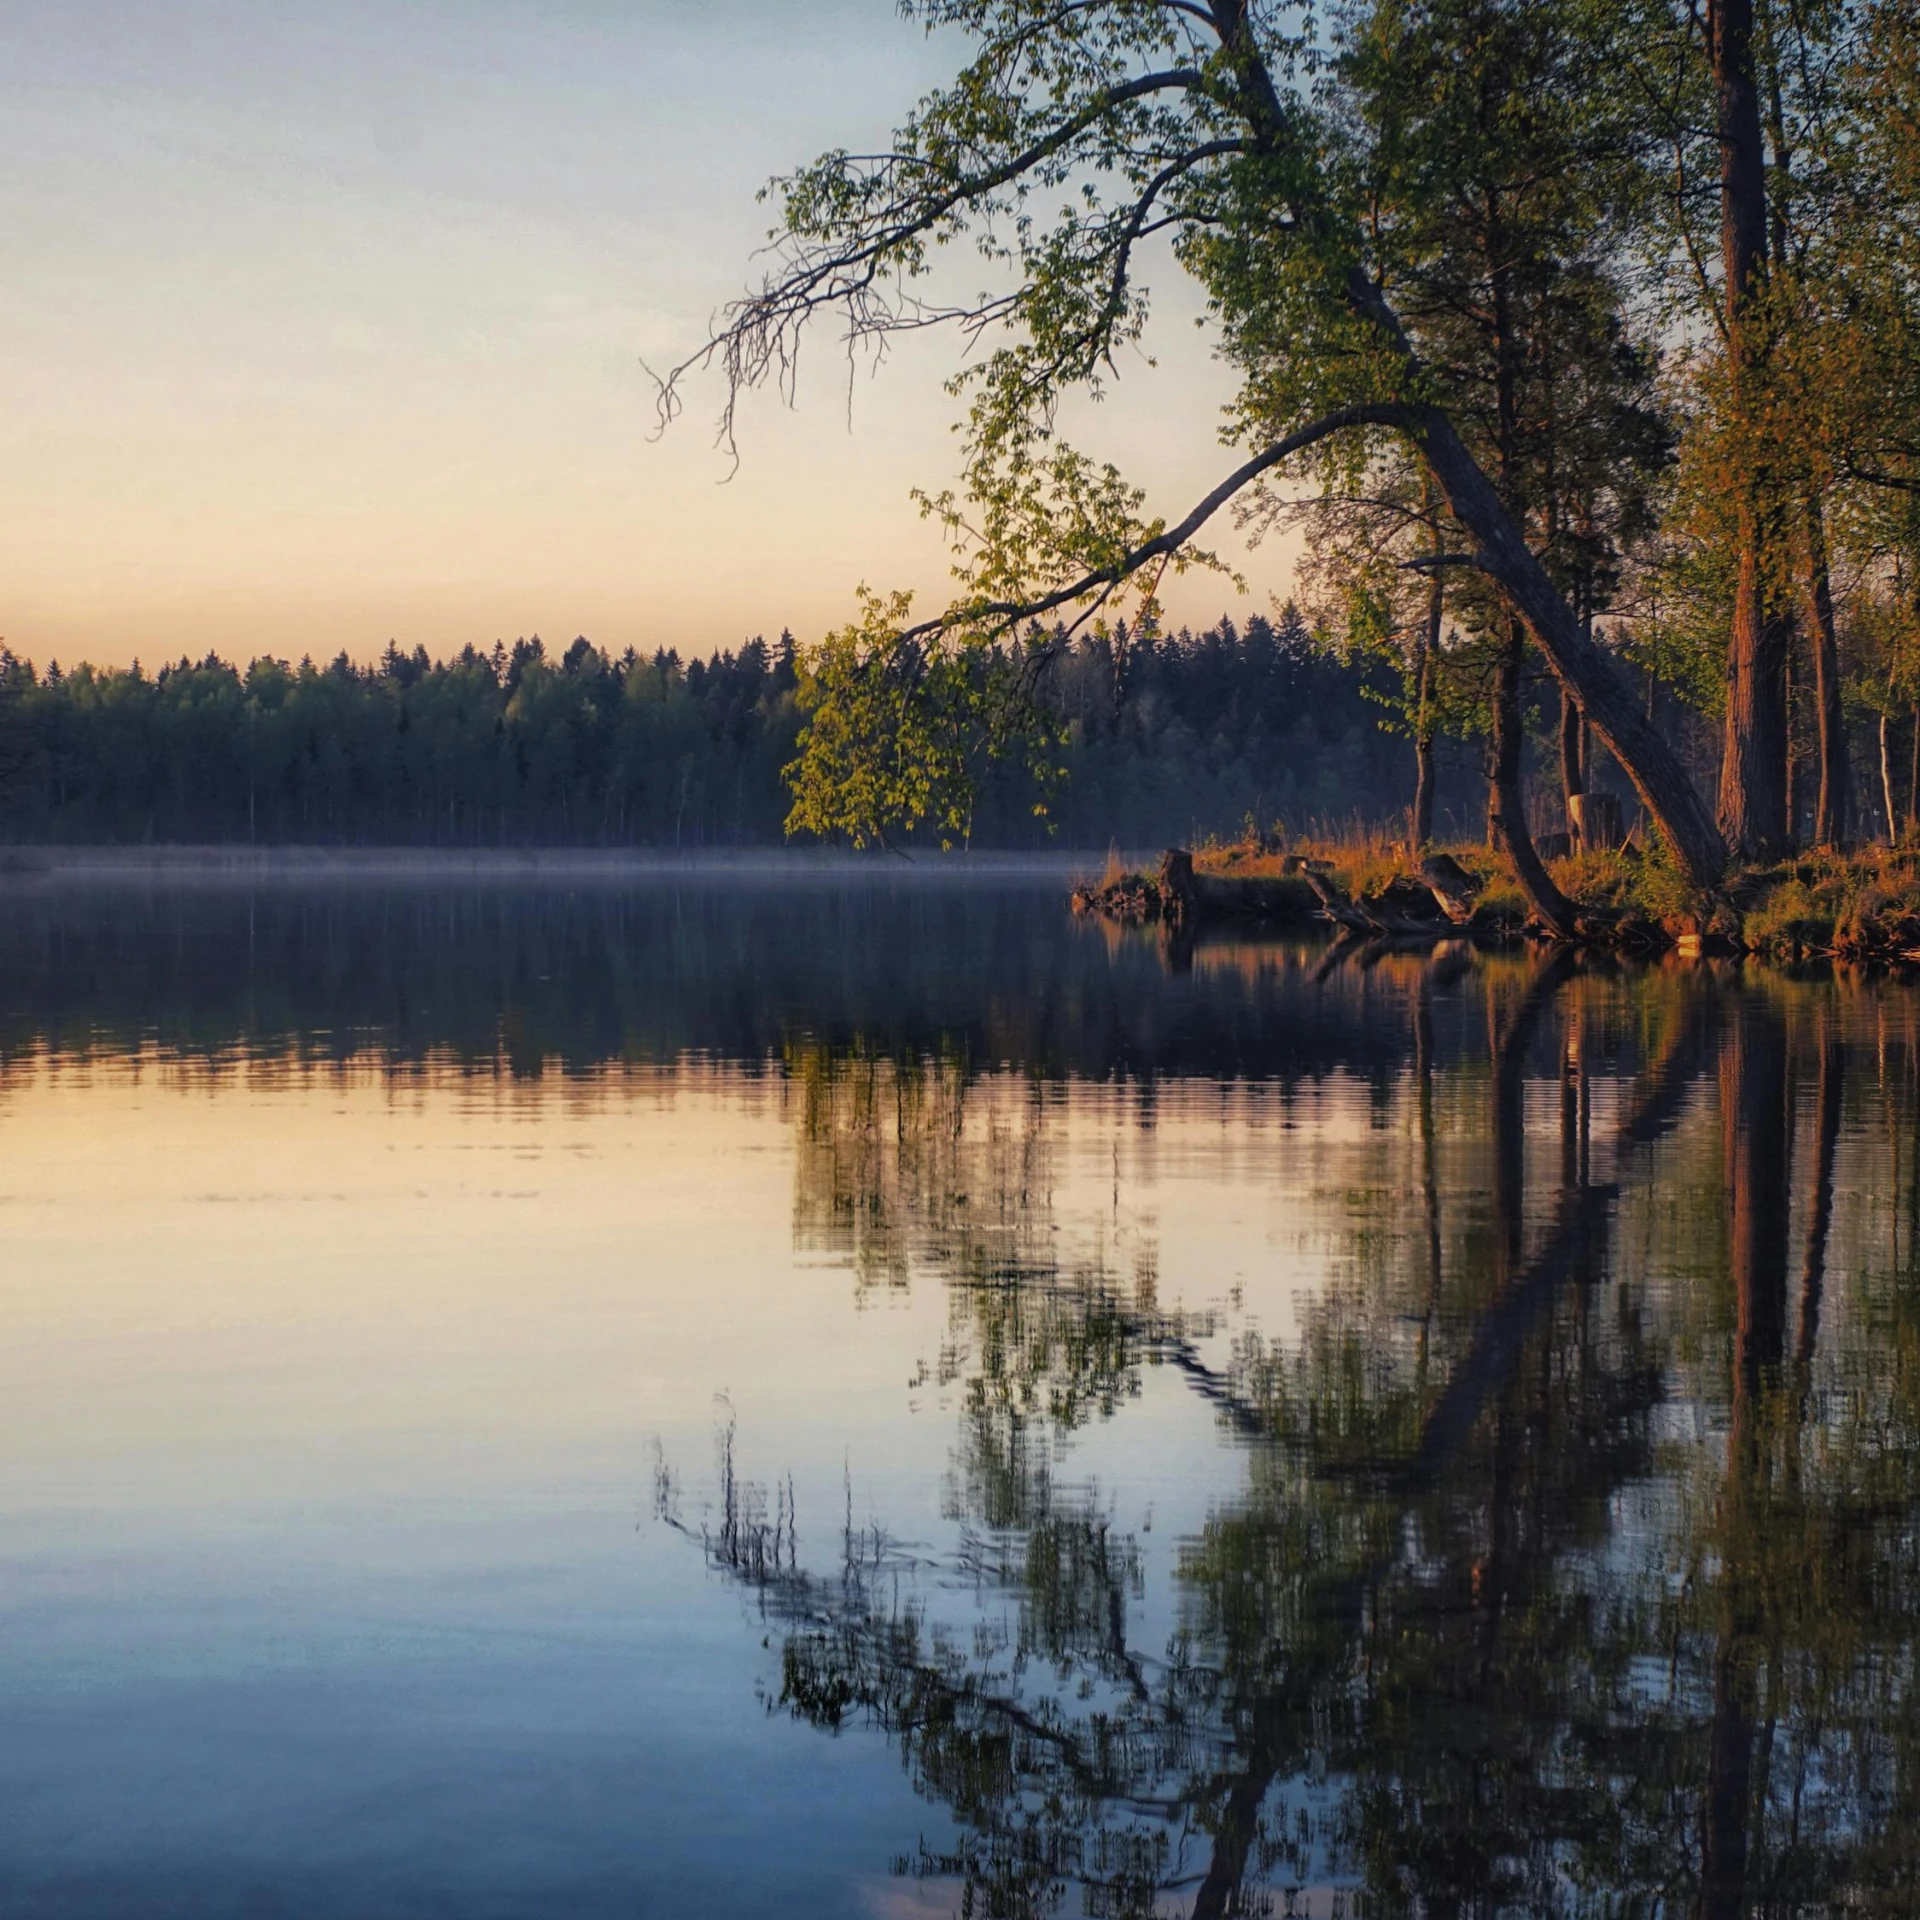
(1489, 1627)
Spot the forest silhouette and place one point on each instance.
(1166, 737)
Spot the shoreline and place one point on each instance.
(1857, 907)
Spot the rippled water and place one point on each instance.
(886, 1400)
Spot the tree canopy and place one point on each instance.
(1449, 249)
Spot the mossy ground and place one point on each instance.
(1858, 906)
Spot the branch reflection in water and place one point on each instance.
(1562, 1557)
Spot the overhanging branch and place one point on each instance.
(1163, 546)
(758, 336)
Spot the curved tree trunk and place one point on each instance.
(1503, 554)
(1576, 657)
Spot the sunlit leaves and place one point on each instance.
(899, 731)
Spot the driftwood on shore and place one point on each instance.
(1389, 917)
(1303, 894)
(1214, 896)
(1452, 886)
(1862, 909)
(1179, 896)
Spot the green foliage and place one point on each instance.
(1417, 206)
(1661, 891)
(895, 737)
(1860, 906)
(1793, 918)
(1428, 235)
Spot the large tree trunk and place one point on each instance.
(1753, 798)
(1573, 761)
(1583, 668)
(1645, 758)
(1795, 735)
(1836, 776)
(1506, 791)
(1425, 646)
(1753, 765)
(1503, 554)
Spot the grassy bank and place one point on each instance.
(1860, 906)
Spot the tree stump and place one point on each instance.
(1596, 821)
(1176, 884)
(1451, 885)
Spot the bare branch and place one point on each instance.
(1876, 477)
(1130, 234)
(759, 335)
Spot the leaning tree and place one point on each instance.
(1080, 134)
(1497, 131)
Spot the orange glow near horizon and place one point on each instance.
(326, 331)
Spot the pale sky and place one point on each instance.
(322, 324)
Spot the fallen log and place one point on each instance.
(1366, 916)
(1204, 897)
(1333, 900)
(1304, 893)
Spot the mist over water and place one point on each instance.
(878, 1397)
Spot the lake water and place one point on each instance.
(882, 1399)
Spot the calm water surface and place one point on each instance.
(882, 1400)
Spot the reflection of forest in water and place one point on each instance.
(1562, 1557)
(1559, 1548)
(579, 980)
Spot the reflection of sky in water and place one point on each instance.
(339, 1408)
(330, 1413)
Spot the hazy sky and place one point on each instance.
(322, 323)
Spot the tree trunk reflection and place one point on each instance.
(1475, 1630)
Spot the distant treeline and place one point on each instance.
(1166, 737)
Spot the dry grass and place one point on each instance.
(1364, 862)
(1862, 905)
